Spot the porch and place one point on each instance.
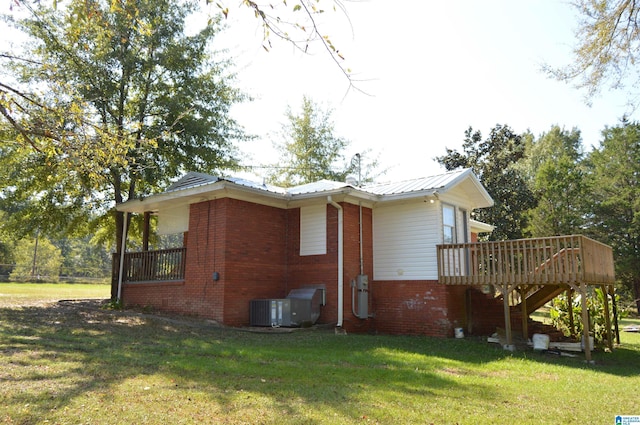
(165, 265)
(530, 272)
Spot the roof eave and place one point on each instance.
(198, 193)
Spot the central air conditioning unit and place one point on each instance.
(274, 312)
(301, 307)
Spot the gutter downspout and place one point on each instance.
(340, 259)
(122, 248)
(360, 240)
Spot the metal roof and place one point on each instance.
(431, 183)
(315, 187)
(197, 186)
(193, 179)
(440, 181)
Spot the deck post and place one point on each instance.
(507, 318)
(615, 313)
(525, 314)
(146, 230)
(607, 316)
(585, 322)
(572, 324)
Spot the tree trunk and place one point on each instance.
(636, 292)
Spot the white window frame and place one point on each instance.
(446, 225)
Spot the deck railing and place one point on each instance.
(537, 261)
(151, 266)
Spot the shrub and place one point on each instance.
(561, 310)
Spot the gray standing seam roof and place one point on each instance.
(193, 179)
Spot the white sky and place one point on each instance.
(432, 68)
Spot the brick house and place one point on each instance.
(244, 240)
(413, 242)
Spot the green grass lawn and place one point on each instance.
(28, 293)
(63, 363)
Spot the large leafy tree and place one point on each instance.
(310, 149)
(115, 100)
(615, 195)
(606, 52)
(36, 259)
(493, 160)
(553, 166)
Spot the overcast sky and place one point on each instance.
(430, 70)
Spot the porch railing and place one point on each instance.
(537, 261)
(151, 266)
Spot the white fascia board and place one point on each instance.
(219, 189)
(480, 227)
(344, 194)
(154, 202)
(484, 200)
(408, 196)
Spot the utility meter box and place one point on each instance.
(362, 286)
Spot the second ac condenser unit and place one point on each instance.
(301, 306)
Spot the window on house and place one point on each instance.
(449, 224)
(313, 230)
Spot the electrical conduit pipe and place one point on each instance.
(340, 260)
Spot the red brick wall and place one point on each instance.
(417, 308)
(244, 243)
(323, 269)
(320, 270)
(352, 263)
(487, 313)
(254, 257)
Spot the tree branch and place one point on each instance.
(18, 127)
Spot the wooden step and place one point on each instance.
(542, 296)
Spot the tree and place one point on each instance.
(83, 259)
(493, 160)
(297, 22)
(310, 149)
(37, 259)
(607, 48)
(7, 243)
(120, 101)
(615, 197)
(553, 167)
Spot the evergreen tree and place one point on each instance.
(615, 199)
(553, 166)
(494, 161)
(310, 149)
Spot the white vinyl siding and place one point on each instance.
(404, 241)
(313, 230)
(174, 220)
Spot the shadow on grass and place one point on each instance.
(54, 355)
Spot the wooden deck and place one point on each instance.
(535, 270)
(558, 260)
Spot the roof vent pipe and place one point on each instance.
(340, 260)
